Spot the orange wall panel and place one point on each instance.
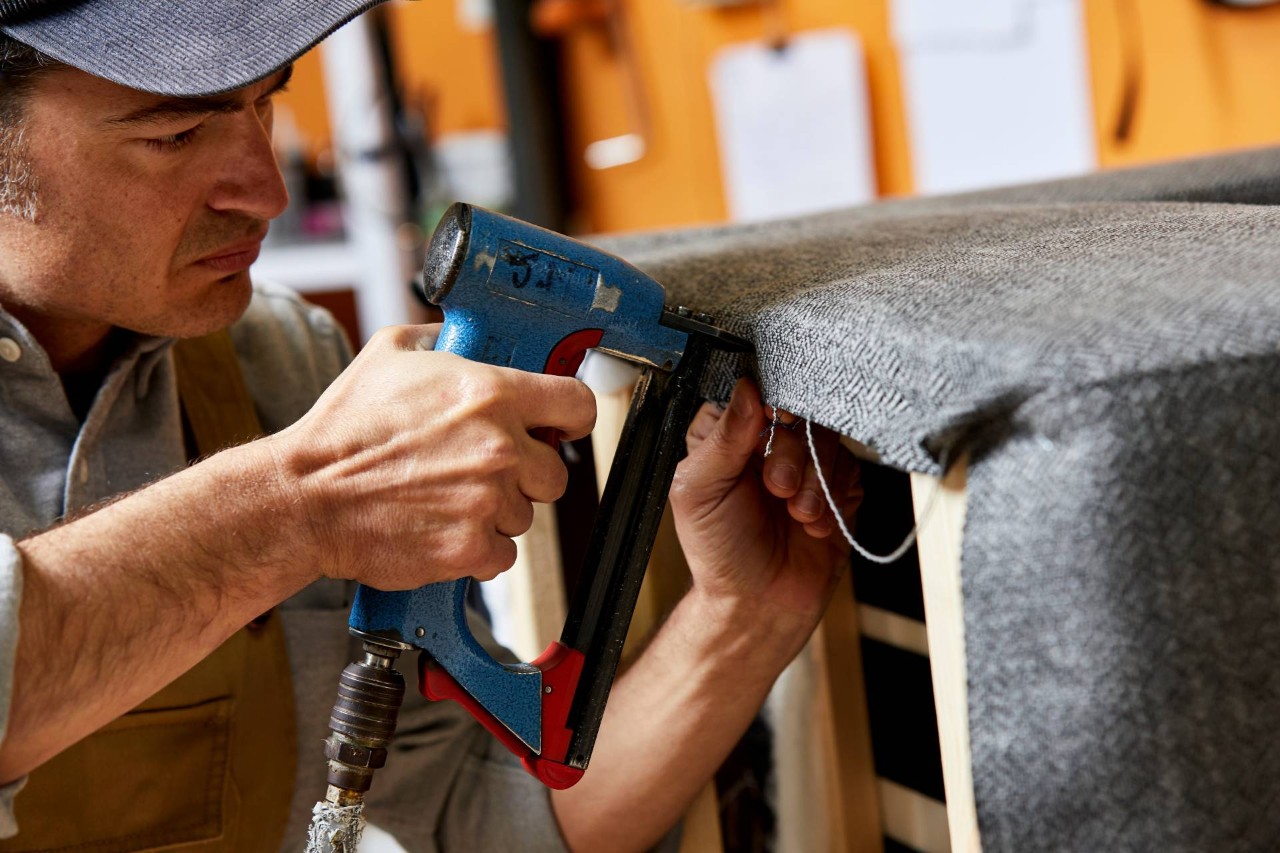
(1206, 80)
(304, 100)
(1207, 77)
(455, 66)
(678, 179)
(447, 69)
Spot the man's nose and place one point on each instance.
(250, 182)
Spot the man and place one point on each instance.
(138, 182)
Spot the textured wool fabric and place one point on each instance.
(1107, 350)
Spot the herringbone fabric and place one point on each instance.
(1108, 351)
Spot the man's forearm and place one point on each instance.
(671, 721)
(413, 467)
(120, 602)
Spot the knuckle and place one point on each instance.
(524, 518)
(559, 479)
(482, 388)
(498, 556)
(380, 338)
(486, 574)
(388, 337)
(682, 484)
(482, 503)
(498, 450)
(453, 555)
(549, 476)
(465, 550)
(504, 555)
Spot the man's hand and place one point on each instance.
(760, 538)
(765, 556)
(416, 466)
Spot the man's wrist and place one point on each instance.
(270, 521)
(742, 633)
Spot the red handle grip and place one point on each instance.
(561, 668)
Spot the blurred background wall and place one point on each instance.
(599, 116)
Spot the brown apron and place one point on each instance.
(207, 764)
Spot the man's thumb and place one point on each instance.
(717, 462)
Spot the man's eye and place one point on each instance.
(173, 141)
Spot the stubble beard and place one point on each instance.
(214, 231)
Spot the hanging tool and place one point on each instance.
(561, 18)
(517, 295)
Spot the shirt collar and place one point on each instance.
(145, 350)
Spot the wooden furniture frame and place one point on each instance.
(857, 807)
(939, 544)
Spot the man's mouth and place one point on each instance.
(233, 257)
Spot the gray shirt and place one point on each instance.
(448, 785)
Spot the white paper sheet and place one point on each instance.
(475, 15)
(793, 125)
(1001, 110)
(955, 23)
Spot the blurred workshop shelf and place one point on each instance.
(309, 267)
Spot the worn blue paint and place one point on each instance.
(519, 291)
(522, 289)
(513, 694)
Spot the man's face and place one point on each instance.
(149, 210)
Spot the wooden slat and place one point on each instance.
(888, 627)
(939, 542)
(803, 766)
(537, 606)
(913, 819)
(855, 814)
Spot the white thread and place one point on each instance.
(773, 427)
(896, 553)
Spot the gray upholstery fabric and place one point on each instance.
(1108, 351)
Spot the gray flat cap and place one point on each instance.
(177, 47)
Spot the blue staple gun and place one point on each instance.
(520, 296)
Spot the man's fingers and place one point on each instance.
(843, 480)
(790, 473)
(558, 402)
(702, 425)
(516, 517)
(720, 447)
(502, 556)
(785, 465)
(724, 452)
(846, 485)
(784, 418)
(809, 502)
(543, 475)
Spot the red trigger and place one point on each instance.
(565, 359)
(566, 356)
